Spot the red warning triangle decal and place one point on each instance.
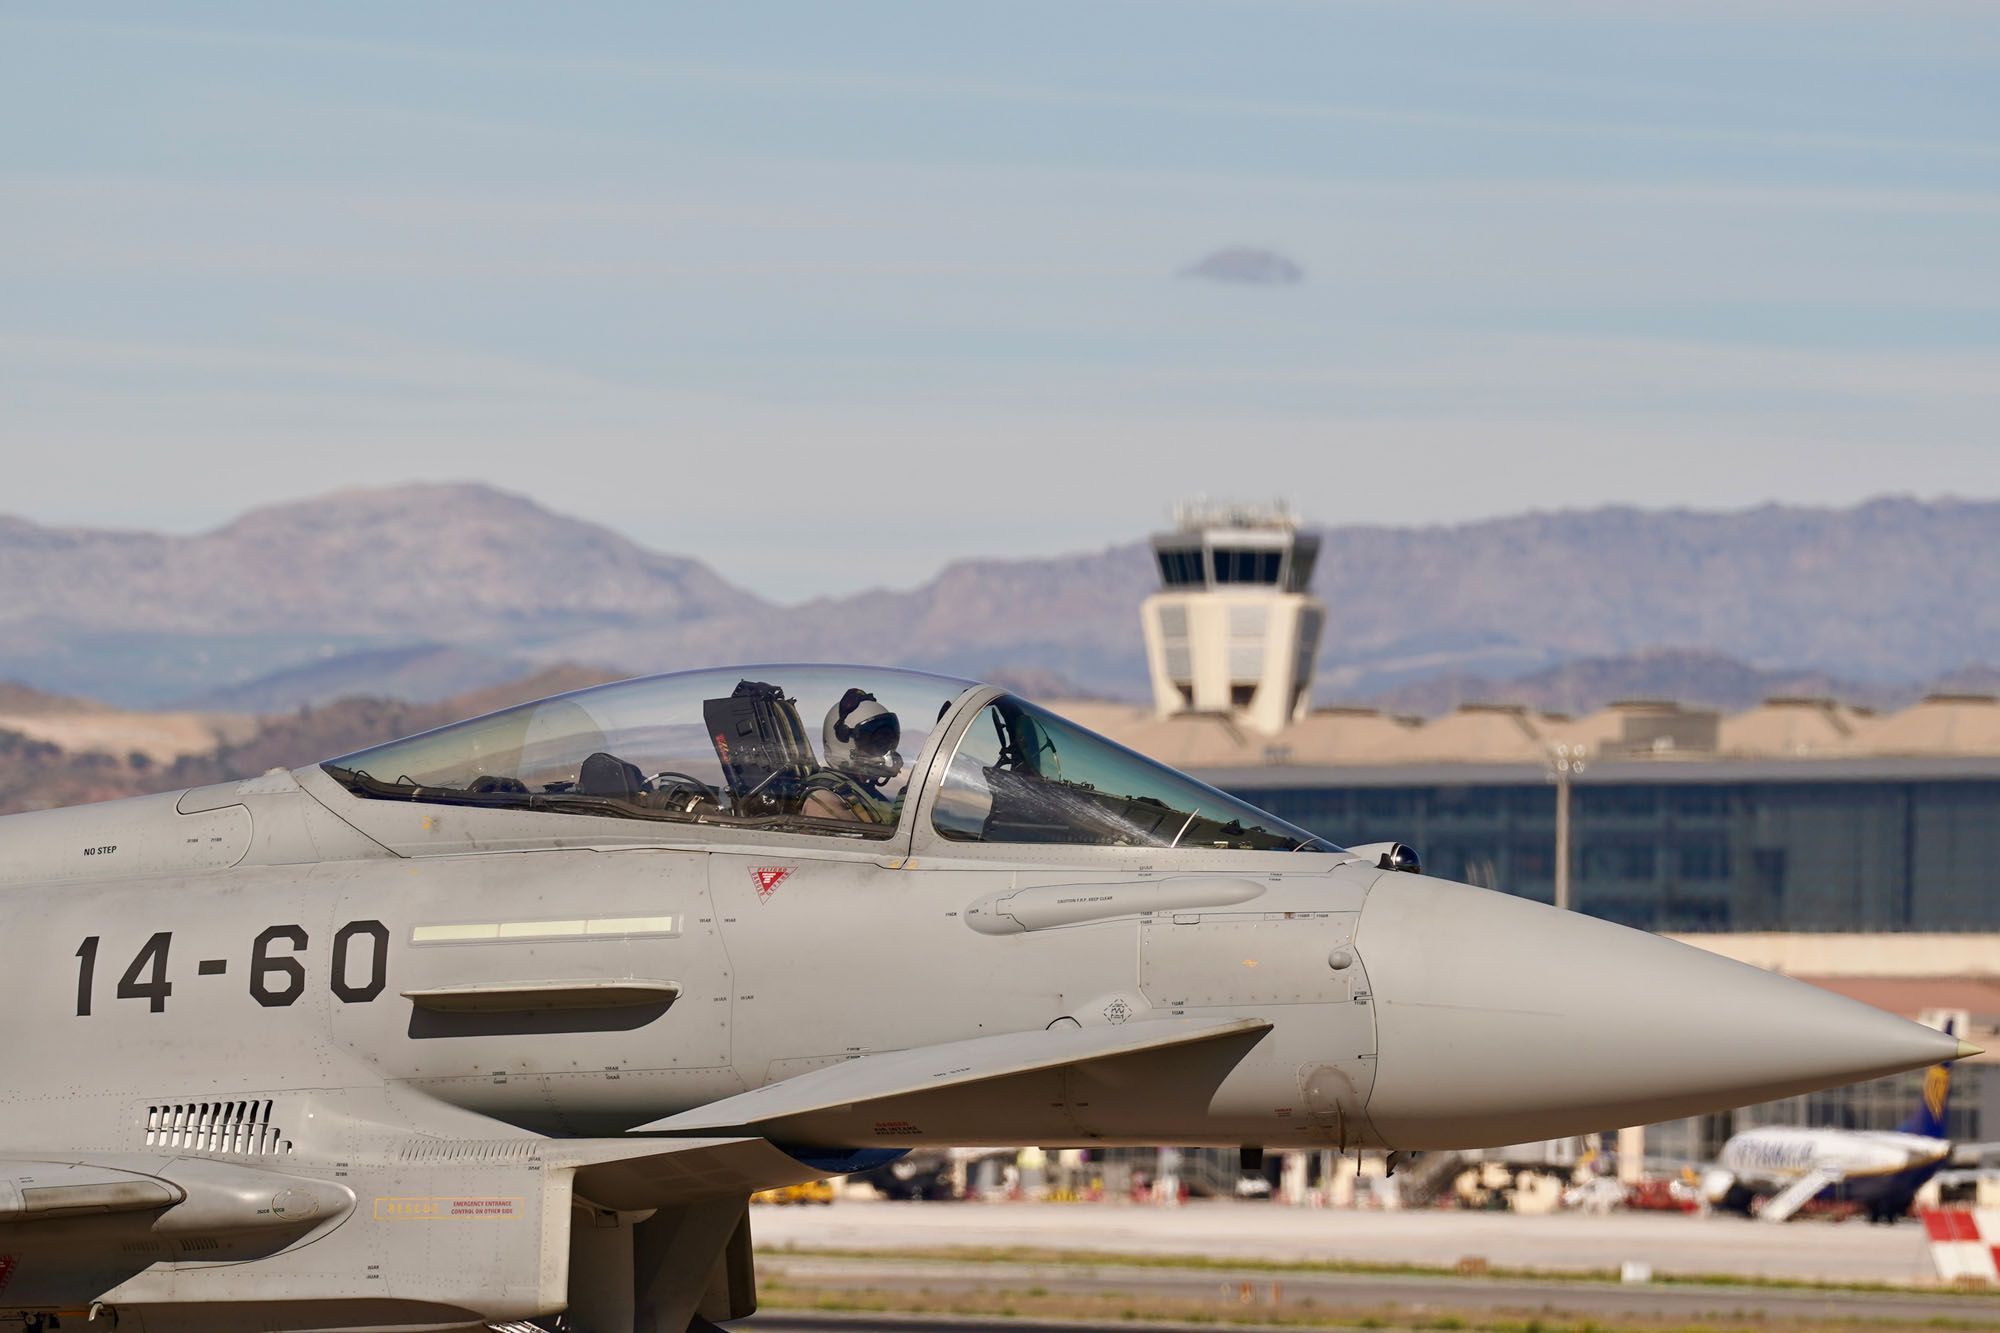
(768, 878)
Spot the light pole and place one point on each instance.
(1565, 762)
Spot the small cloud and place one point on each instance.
(1249, 266)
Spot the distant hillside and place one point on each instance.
(418, 672)
(37, 775)
(445, 562)
(17, 700)
(1892, 590)
(312, 734)
(146, 619)
(420, 591)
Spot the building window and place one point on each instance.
(1466, 802)
(1532, 859)
(1621, 800)
(1698, 800)
(1316, 808)
(1385, 803)
(1605, 859)
(1233, 566)
(1638, 913)
(1181, 569)
(1533, 802)
(1474, 861)
(1246, 661)
(1704, 859)
(1767, 887)
(1173, 622)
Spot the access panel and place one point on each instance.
(1301, 970)
(1202, 960)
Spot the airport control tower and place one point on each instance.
(1233, 628)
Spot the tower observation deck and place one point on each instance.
(1234, 628)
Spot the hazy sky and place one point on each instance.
(830, 294)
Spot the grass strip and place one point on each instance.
(1110, 1309)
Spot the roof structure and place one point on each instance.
(1625, 735)
(1793, 726)
(1940, 724)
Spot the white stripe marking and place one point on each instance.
(473, 932)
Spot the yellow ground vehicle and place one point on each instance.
(813, 1191)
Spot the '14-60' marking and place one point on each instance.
(277, 977)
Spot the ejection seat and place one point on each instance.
(761, 743)
(607, 775)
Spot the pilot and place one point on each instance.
(859, 741)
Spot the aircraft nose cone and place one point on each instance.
(1500, 1020)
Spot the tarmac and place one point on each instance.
(1672, 1243)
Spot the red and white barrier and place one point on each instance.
(1965, 1243)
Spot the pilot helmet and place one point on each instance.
(861, 736)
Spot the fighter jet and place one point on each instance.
(499, 1026)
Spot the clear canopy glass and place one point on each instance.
(817, 749)
(1022, 774)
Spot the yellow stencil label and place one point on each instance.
(442, 1208)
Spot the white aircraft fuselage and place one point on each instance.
(1777, 1170)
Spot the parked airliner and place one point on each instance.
(1776, 1170)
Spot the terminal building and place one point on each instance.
(1798, 815)
(1854, 849)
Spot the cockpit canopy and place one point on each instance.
(1022, 774)
(811, 749)
(712, 747)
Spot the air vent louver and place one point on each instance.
(239, 1128)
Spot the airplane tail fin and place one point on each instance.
(1930, 1118)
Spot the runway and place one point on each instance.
(1219, 1230)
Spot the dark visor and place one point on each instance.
(877, 736)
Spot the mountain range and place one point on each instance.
(425, 591)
